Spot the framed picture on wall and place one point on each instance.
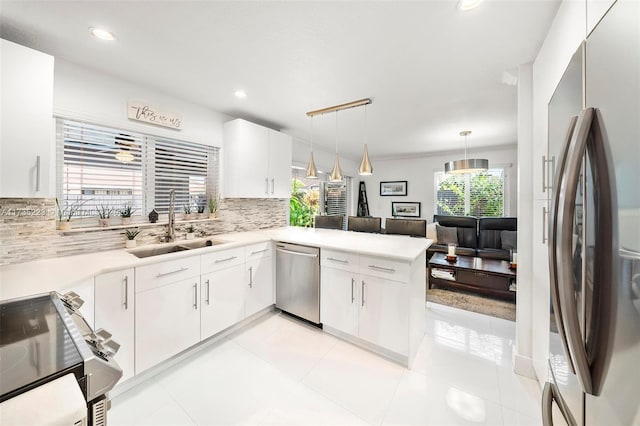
(408, 209)
(397, 188)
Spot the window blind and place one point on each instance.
(105, 167)
(336, 199)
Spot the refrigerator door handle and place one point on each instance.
(553, 237)
(564, 248)
(550, 394)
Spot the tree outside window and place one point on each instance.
(475, 194)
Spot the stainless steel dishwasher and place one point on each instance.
(298, 280)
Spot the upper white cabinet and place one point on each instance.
(257, 161)
(26, 121)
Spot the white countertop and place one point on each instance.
(58, 273)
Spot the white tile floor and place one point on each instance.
(279, 371)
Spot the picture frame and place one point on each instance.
(393, 188)
(405, 209)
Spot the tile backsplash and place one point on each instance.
(28, 228)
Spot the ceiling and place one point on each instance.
(430, 69)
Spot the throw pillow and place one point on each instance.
(447, 234)
(509, 240)
(431, 232)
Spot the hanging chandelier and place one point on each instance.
(471, 165)
(312, 171)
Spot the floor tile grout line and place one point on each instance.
(395, 391)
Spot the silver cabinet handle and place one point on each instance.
(380, 268)
(544, 173)
(208, 293)
(353, 284)
(38, 173)
(337, 260)
(195, 298)
(545, 214)
(226, 259)
(273, 186)
(126, 292)
(296, 253)
(552, 172)
(259, 251)
(250, 276)
(266, 185)
(363, 284)
(184, 268)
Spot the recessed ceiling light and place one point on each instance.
(468, 4)
(240, 94)
(102, 34)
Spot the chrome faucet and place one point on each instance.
(171, 226)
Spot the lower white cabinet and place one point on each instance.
(222, 299)
(167, 321)
(340, 300)
(259, 289)
(114, 311)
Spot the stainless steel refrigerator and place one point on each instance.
(594, 229)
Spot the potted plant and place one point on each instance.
(201, 213)
(65, 215)
(104, 213)
(187, 211)
(131, 237)
(214, 205)
(125, 214)
(191, 232)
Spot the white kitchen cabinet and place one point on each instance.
(167, 321)
(595, 11)
(85, 290)
(339, 305)
(257, 161)
(222, 299)
(26, 122)
(259, 283)
(114, 312)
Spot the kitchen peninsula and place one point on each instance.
(372, 291)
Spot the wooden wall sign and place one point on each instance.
(141, 111)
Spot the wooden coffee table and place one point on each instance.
(487, 276)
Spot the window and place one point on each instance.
(100, 166)
(310, 197)
(476, 194)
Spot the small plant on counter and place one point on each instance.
(104, 213)
(214, 205)
(131, 237)
(65, 215)
(187, 211)
(191, 232)
(125, 214)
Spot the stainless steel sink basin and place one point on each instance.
(157, 251)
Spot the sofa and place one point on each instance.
(486, 237)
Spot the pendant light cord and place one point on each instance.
(336, 132)
(311, 131)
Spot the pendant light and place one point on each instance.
(472, 165)
(366, 169)
(312, 171)
(336, 173)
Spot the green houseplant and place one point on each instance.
(187, 211)
(191, 232)
(131, 237)
(125, 214)
(65, 214)
(214, 205)
(104, 213)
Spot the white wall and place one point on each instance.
(88, 95)
(419, 173)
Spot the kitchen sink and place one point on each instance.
(184, 246)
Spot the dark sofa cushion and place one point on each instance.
(447, 235)
(467, 227)
(490, 231)
(509, 240)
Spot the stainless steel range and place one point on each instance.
(44, 338)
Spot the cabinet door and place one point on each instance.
(384, 313)
(222, 300)
(167, 322)
(340, 300)
(246, 154)
(114, 311)
(259, 285)
(280, 153)
(26, 123)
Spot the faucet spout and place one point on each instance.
(171, 226)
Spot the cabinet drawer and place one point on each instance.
(159, 274)
(395, 270)
(339, 260)
(483, 279)
(258, 251)
(221, 259)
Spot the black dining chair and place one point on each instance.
(412, 227)
(364, 224)
(328, 222)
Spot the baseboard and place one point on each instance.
(523, 366)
